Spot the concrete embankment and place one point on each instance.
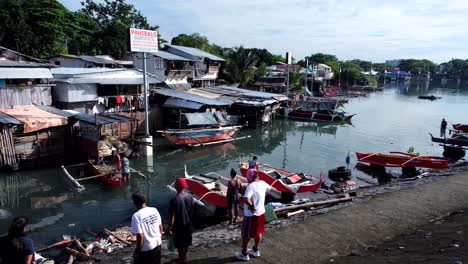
(319, 238)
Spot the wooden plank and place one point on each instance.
(312, 204)
(110, 233)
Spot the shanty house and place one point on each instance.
(84, 61)
(31, 136)
(271, 84)
(206, 66)
(170, 68)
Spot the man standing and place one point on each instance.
(443, 127)
(253, 225)
(125, 168)
(253, 164)
(147, 226)
(180, 222)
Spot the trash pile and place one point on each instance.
(89, 247)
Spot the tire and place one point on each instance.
(339, 173)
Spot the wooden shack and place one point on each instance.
(31, 137)
(97, 135)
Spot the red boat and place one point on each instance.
(401, 159)
(285, 181)
(114, 179)
(200, 136)
(461, 127)
(210, 188)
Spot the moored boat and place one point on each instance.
(285, 181)
(200, 136)
(111, 178)
(367, 88)
(320, 115)
(461, 127)
(210, 188)
(458, 140)
(401, 159)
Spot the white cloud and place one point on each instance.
(372, 30)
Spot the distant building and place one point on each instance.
(98, 61)
(24, 80)
(206, 65)
(172, 69)
(271, 84)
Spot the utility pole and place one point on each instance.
(145, 94)
(306, 73)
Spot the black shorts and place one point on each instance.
(124, 174)
(183, 239)
(150, 257)
(232, 202)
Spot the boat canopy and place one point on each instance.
(201, 119)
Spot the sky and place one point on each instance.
(365, 29)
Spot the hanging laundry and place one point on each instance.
(112, 102)
(118, 100)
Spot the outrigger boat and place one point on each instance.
(320, 115)
(461, 127)
(203, 129)
(285, 181)
(401, 159)
(109, 177)
(210, 188)
(367, 88)
(458, 140)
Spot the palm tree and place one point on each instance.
(240, 65)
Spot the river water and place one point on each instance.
(392, 120)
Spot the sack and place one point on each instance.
(270, 214)
(170, 244)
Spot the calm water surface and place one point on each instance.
(391, 120)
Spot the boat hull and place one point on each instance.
(318, 116)
(109, 180)
(461, 127)
(193, 137)
(451, 141)
(280, 185)
(402, 160)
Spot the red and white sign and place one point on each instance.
(142, 40)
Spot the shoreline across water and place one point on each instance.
(376, 215)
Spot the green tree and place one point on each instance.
(240, 66)
(381, 67)
(328, 59)
(415, 66)
(114, 18)
(350, 73)
(364, 65)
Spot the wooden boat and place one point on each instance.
(459, 140)
(319, 115)
(367, 88)
(461, 127)
(200, 136)
(401, 159)
(113, 179)
(210, 188)
(285, 181)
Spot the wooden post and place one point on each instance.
(110, 233)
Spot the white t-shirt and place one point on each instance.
(256, 191)
(146, 221)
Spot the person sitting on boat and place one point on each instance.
(232, 196)
(253, 164)
(125, 168)
(443, 127)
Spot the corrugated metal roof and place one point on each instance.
(95, 119)
(10, 63)
(181, 103)
(25, 73)
(56, 111)
(238, 92)
(102, 76)
(6, 119)
(169, 56)
(193, 97)
(75, 71)
(197, 52)
(117, 117)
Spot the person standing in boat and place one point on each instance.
(232, 196)
(253, 225)
(125, 168)
(147, 226)
(253, 164)
(116, 160)
(443, 127)
(16, 247)
(180, 219)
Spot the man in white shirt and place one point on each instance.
(253, 225)
(147, 226)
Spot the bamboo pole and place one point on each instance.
(93, 177)
(80, 246)
(312, 204)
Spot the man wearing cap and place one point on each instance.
(180, 222)
(147, 226)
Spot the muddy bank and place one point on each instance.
(379, 213)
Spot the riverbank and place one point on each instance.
(378, 214)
